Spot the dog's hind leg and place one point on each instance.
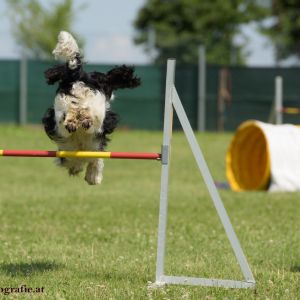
(94, 171)
(75, 169)
(74, 166)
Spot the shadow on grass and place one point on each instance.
(295, 269)
(27, 269)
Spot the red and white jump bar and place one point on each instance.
(81, 154)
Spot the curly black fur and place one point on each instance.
(50, 123)
(109, 125)
(117, 78)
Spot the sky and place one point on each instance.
(107, 27)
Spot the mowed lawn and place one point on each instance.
(99, 242)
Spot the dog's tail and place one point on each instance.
(68, 50)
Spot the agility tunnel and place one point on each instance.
(263, 156)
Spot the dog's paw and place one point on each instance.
(93, 179)
(75, 170)
(86, 124)
(70, 125)
(93, 173)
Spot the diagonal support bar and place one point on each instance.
(235, 244)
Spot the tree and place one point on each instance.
(284, 28)
(36, 27)
(180, 26)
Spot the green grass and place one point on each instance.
(99, 242)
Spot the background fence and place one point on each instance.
(251, 94)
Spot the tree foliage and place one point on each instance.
(284, 30)
(36, 27)
(180, 26)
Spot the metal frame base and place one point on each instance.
(204, 282)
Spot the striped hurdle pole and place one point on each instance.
(81, 154)
(291, 110)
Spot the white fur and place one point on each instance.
(94, 104)
(66, 49)
(84, 98)
(94, 171)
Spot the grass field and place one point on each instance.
(99, 242)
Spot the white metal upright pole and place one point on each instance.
(201, 115)
(278, 99)
(23, 91)
(165, 160)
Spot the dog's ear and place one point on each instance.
(55, 74)
(63, 73)
(97, 80)
(122, 77)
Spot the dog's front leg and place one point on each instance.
(71, 120)
(94, 171)
(84, 118)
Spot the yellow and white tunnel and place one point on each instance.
(263, 156)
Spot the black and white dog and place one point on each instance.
(81, 119)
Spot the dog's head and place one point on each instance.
(72, 71)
